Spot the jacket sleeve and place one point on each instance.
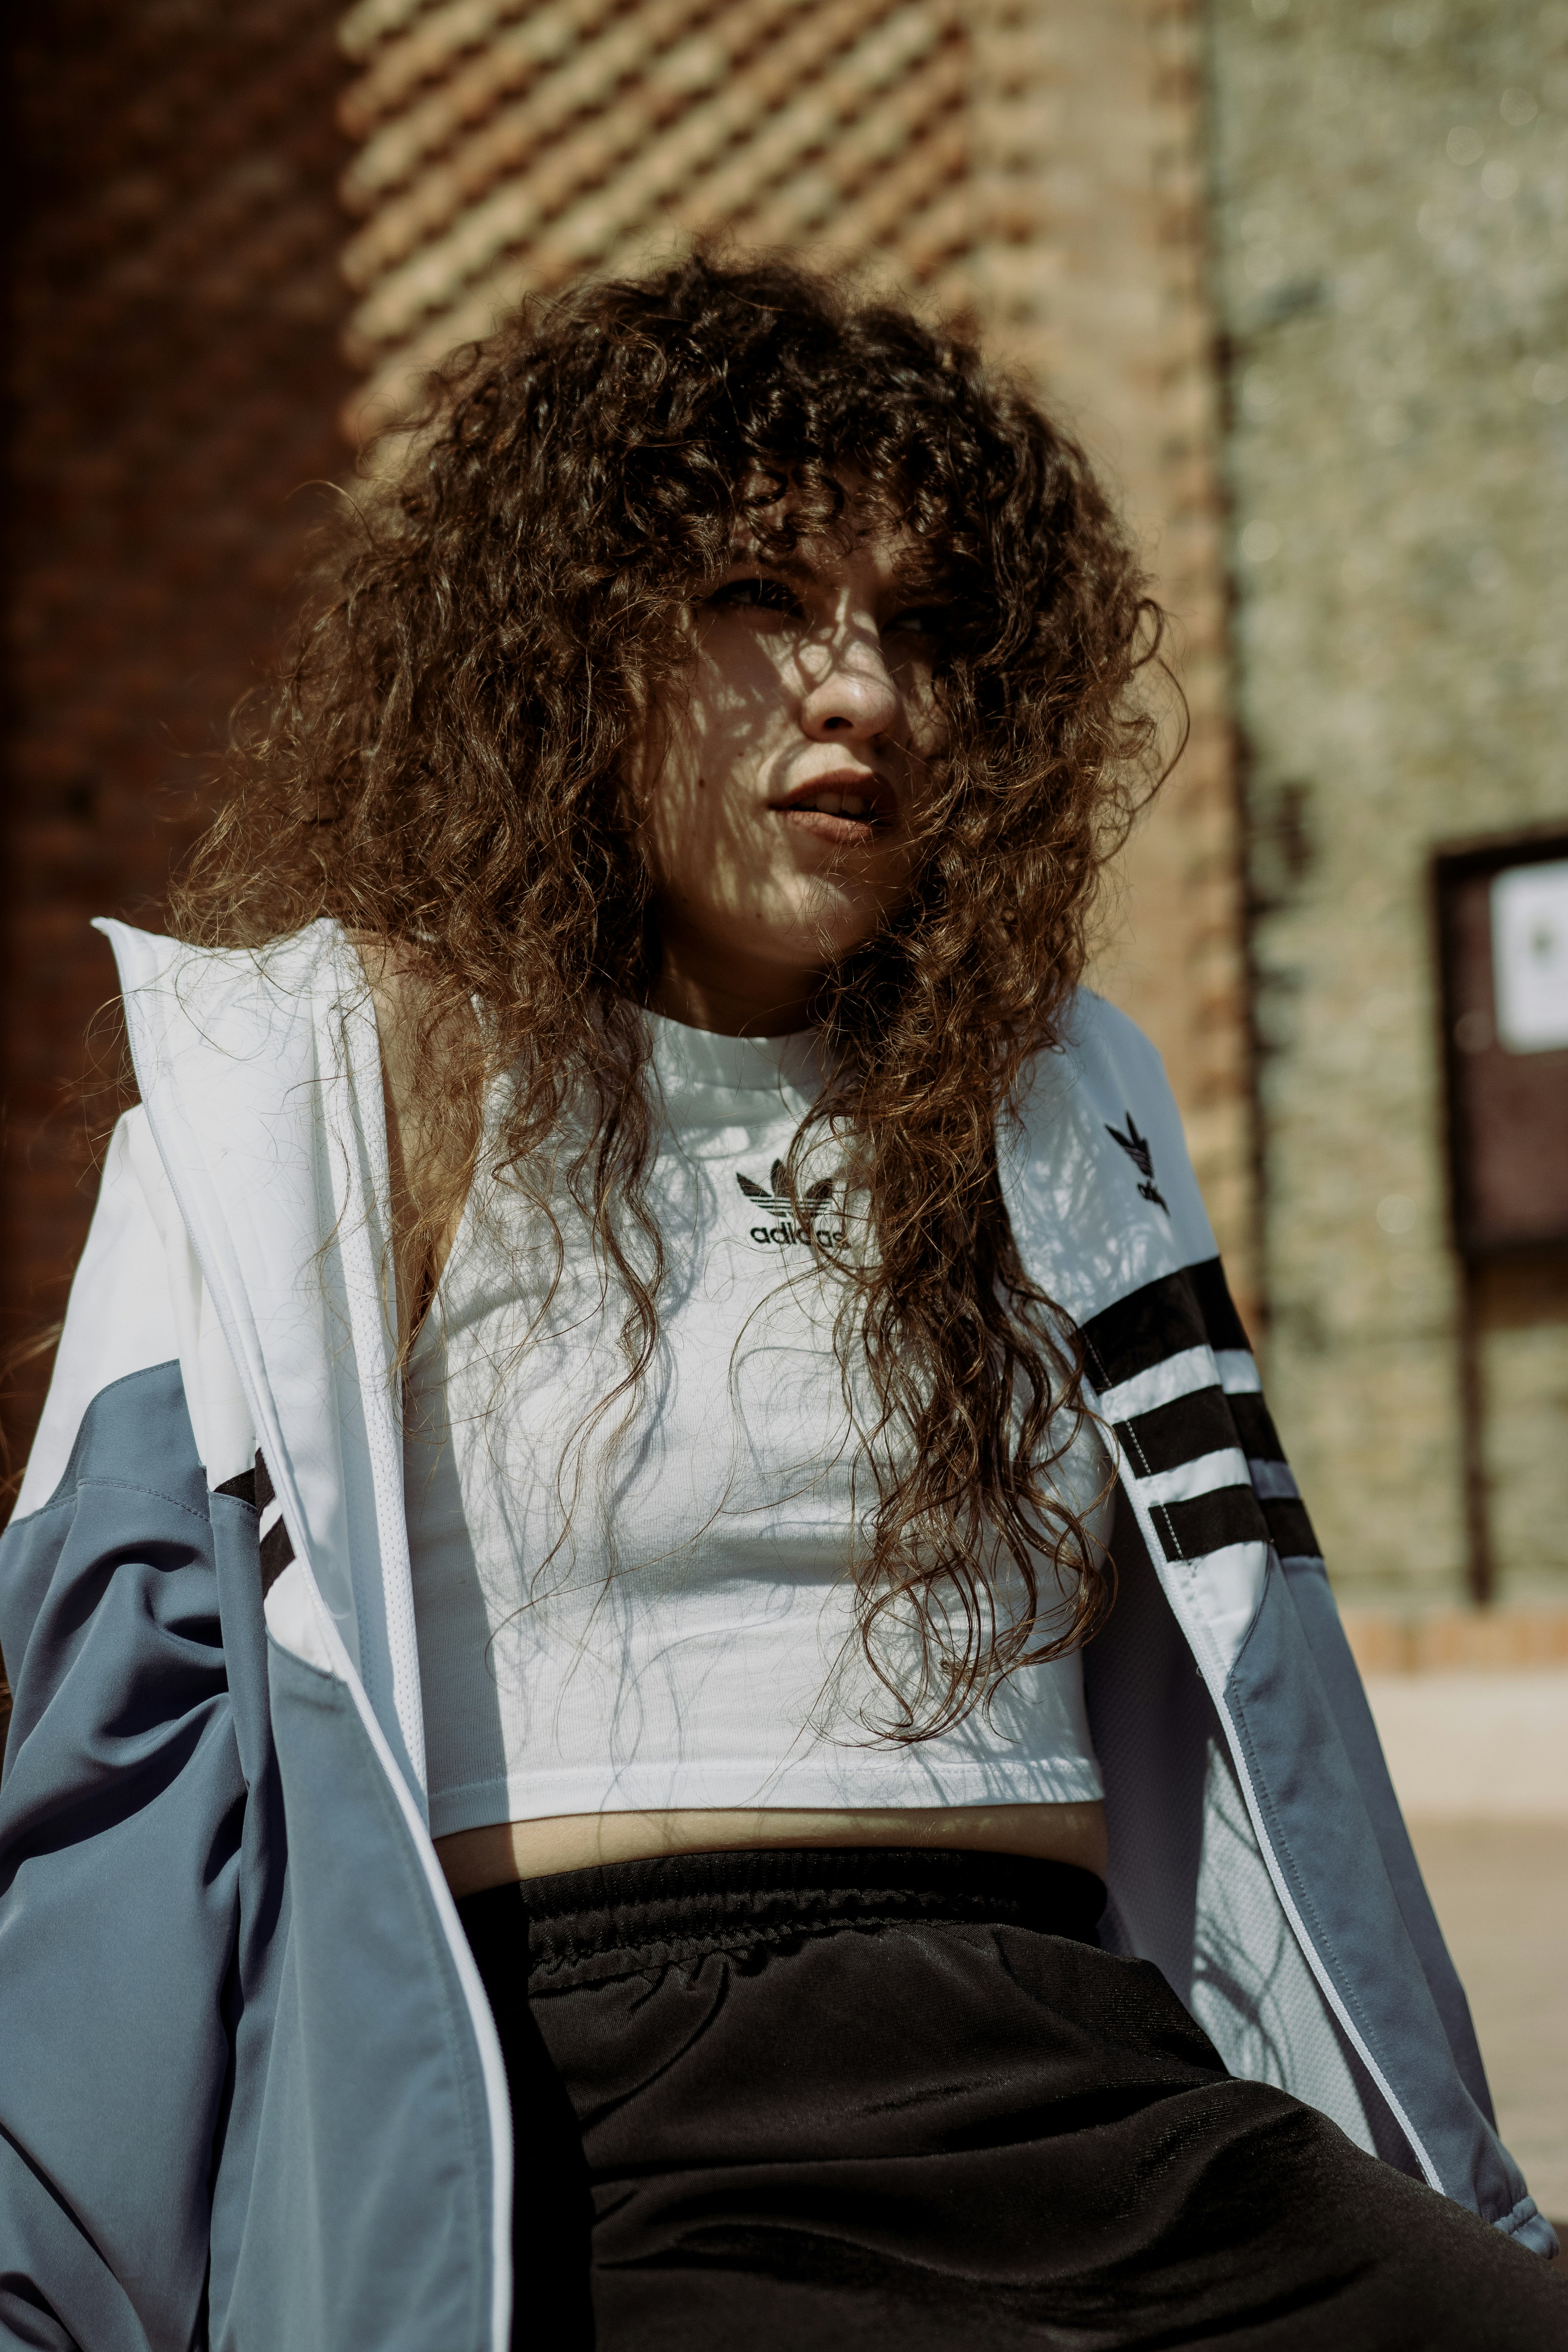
(121, 1815)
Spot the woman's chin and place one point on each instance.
(832, 919)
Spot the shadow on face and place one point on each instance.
(780, 826)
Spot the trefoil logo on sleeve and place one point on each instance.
(1136, 1146)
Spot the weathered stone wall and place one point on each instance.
(1391, 215)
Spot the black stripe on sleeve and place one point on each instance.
(1230, 1514)
(254, 1487)
(1221, 1321)
(1193, 1308)
(1190, 1308)
(1291, 1531)
(277, 1551)
(1158, 1320)
(1179, 1431)
(1254, 1427)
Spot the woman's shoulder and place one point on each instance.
(1098, 1172)
(1100, 1059)
(1096, 1033)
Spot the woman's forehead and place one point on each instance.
(856, 538)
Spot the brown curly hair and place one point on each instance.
(502, 611)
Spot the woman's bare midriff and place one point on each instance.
(503, 1851)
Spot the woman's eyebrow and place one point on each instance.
(916, 575)
(793, 566)
(913, 575)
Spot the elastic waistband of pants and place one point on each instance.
(623, 1916)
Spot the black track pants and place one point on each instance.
(899, 2101)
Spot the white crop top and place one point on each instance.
(686, 1639)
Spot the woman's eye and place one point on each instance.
(918, 620)
(757, 596)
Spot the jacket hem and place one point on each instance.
(1529, 2224)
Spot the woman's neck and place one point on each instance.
(739, 1001)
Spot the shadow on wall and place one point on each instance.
(176, 311)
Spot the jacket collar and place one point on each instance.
(262, 1077)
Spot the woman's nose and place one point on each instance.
(855, 697)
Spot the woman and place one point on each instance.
(652, 1485)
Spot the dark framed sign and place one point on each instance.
(1502, 944)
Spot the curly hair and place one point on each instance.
(442, 771)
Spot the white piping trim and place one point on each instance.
(367, 1192)
(491, 2064)
(1187, 1373)
(1209, 1666)
(1210, 1473)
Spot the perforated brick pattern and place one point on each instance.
(506, 148)
(177, 309)
(188, 341)
(1037, 162)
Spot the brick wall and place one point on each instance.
(181, 311)
(177, 306)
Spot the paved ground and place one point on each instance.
(1500, 1888)
(1465, 1745)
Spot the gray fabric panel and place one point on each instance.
(147, 1923)
(119, 1829)
(29, 1547)
(251, 1988)
(87, 2309)
(368, 2219)
(1252, 1989)
(1319, 1620)
(1188, 1888)
(1317, 1823)
(1531, 2226)
(1151, 1722)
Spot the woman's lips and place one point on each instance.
(843, 831)
(848, 811)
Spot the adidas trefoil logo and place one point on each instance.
(1136, 1146)
(817, 1201)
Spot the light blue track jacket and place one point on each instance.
(250, 2093)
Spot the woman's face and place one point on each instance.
(780, 825)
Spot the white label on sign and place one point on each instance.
(1530, 957)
